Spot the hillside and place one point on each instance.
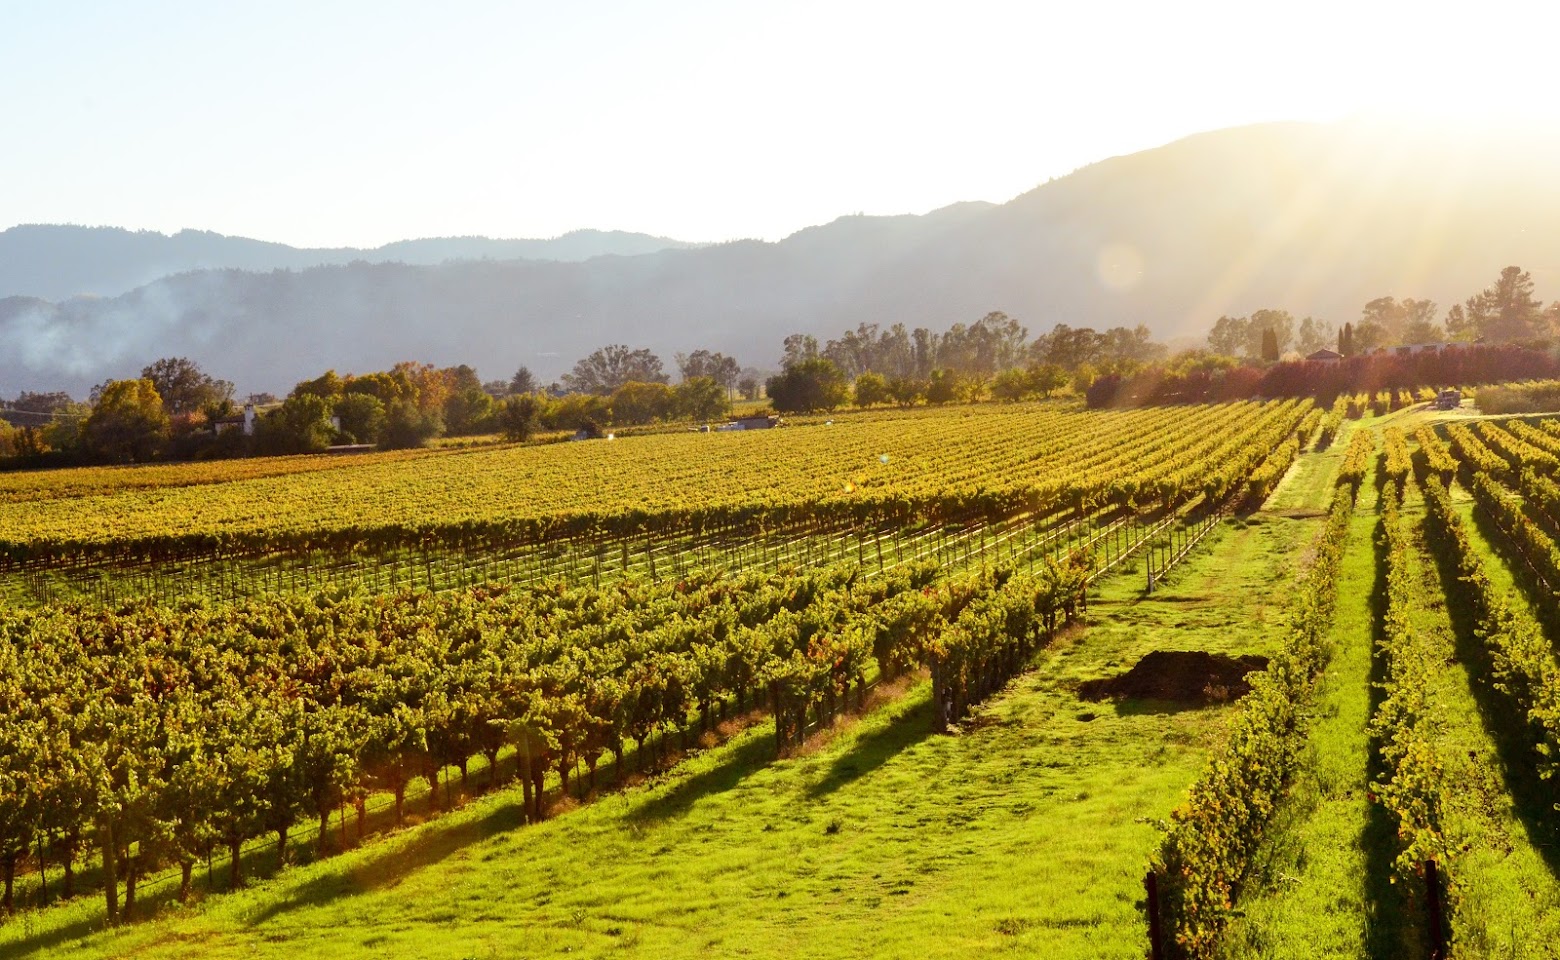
(56, 261)
(1316, 219)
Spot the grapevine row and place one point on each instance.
(1407, 724)
(1522, 659)
(1215, 834)
(489, 500)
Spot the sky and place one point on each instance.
(357, 123)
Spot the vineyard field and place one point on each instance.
(999, 461)
(1217, 672)
(882, 837)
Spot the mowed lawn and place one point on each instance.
(1027, 832)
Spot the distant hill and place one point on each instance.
(56, 262)
(1316, 219)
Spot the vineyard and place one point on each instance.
(876, 491)
(842, 665)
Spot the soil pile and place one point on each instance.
(1186, 677)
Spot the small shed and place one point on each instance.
(1448, 400)
(762, 422)
(1324, 356)
(244, 422)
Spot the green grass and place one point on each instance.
(1320, 882)
(1323, 887)
(1507, 882)
(1027, 832)
(1316, 881)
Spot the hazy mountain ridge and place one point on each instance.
(1316, 219)
(57, 261)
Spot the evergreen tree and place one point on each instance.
(1269, 345)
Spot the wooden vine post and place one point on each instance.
(1433, 911)
(1156, 949)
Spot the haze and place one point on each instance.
(359, 123)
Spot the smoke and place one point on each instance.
(85, 339)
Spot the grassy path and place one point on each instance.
(1324, 888)
(1321, 878)
(1028, 832)
(1507, 882)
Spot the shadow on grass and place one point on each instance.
(872, 750)
(737, 764)
(392, 861)
(1391, 922)
(51, 940)
(1134, 707)
(1503, 720)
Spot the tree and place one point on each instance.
(1229, 336)
(64, 432)
(460, 378)
(44, 403)
(906, 391)
(518, 416)
(468, 411)
(362, 415)
(718, 367)
(1120, 345)
(300, 425)
(523, 381)
(1083, 378)
(1269, 345)
(994, 342)
(701, 399)
(575, 411)
(942, 387)
(1506, 310)
(1011, 385)
(636, 403)
(1421, 326)
(184, 388)
(807, 386)
(1046, 378)
(1282, 325)
(429, 386)
(327, 385)
(1314, 335)
(128, 422)
(798, 348)
(1458, 326)
(604, 371)
(385, 387)
(1067, 347)
(1346, 340)
(1401, 321)
(871, 390)
(749, 383)
(408, 425)
(1368, 336)
(1385, 313)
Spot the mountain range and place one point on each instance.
(1313, 218)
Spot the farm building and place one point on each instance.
(752, 423)
(244, 422)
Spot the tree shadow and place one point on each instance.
(1392, 918)
(873, 750)
(738, 763)
(51, 940)
(1502, 718)
(391, 861)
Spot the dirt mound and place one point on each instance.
(1187, 677)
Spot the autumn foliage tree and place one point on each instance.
(128, 422)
